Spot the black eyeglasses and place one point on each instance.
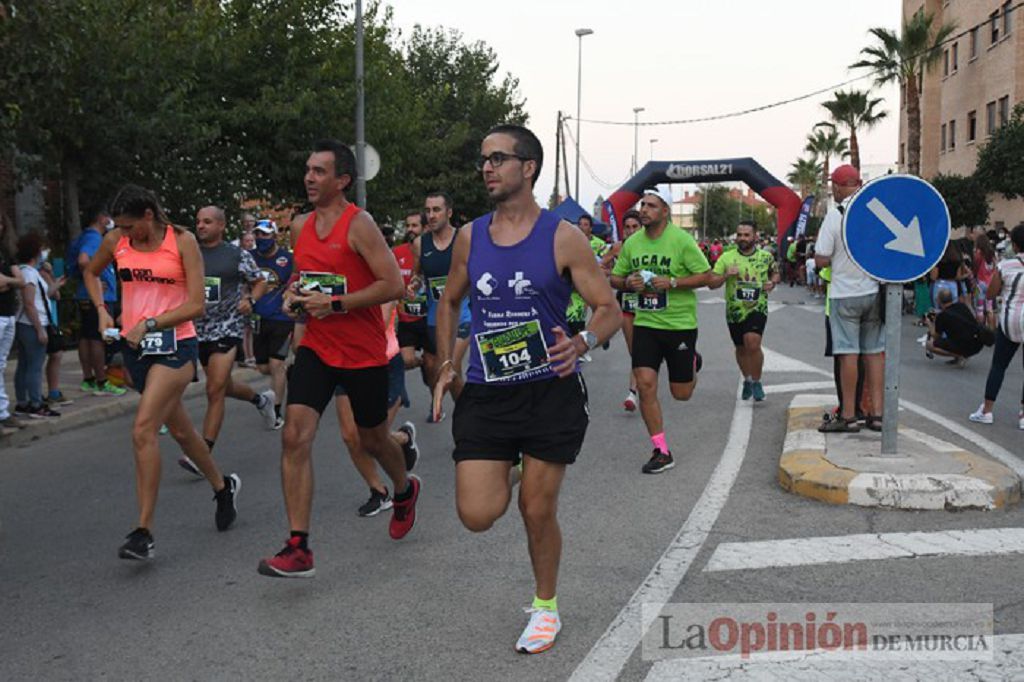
(498, 158)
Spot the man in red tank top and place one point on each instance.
(346, 272)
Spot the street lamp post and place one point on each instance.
(636, 138)
(653, 140)
(580, 32)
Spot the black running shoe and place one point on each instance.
(659, 462)
(139, 546)
(226, 499)
(377, 503)
(410, 449)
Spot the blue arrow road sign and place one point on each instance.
(896, 228)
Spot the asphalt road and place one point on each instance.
(446, 603)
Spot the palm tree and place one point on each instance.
(903, 59)
(806, 175)
(854, 110)
(824, 142)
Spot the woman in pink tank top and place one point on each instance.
(161, 273)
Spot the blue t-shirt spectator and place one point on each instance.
(277, 270)
(89, 243)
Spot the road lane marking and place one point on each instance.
(1007, 663)
(612, 650)
(841, 549)
(799, 387)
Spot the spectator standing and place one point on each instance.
(54, 334)
(10, 282)
(1008, 280)
(856, 322)
(30, 333)
(984, 267)
(92, 354)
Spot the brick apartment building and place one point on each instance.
(971, 91)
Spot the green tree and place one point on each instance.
(806, 175)
(823, 143)
(965, 197)
(854, 110)
(904, 59)
(722, 212)
(1001, 161)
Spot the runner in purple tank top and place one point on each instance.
(524, 400)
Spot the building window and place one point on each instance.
(945, 63)
(942, 139)
(990, 118)
(993, 20)
(903, 153)
(972, 126)
(956, 57)
(1007, 18)
(974, 42)
(1004, 110)
(952, 135)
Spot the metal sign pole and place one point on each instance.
(890, 412)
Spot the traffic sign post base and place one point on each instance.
(890, 411)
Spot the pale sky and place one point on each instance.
(678, 59)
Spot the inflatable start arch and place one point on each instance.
(786, 202)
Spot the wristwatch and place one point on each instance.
(337, 305)
(672, 283)
(150, 324)
(589, 338)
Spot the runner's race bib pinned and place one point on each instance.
(415, 307)
(652, 300)
(162, 342)
(513, 351)
(325, 282)
(748, 294)
(436, 287)
(212, 285)
(630, 301)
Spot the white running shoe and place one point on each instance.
(266, 409)
(629, 404)
(540, 632)
(979, 416)
(278, 423)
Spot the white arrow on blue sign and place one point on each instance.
(896, 228)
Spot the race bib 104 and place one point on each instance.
(325, 282)
(212, 285)
(162, 342)
(513, 351)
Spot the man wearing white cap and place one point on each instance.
(663, 264)
(273, 327)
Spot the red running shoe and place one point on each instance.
(290, 562)
(403, 514)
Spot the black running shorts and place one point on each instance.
(543, 419)
(677, 349)
(272, 341)
(753, 324)
(311, 382)
(218, 346)
(413, 334)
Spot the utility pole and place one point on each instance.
(558, 155)
(636, 138)
(360, 112)
(580, 32)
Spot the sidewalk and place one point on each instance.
(87, 408)
(929, 473)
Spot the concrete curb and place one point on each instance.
(102, 409)
(937, 475)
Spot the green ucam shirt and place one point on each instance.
(674, 254)
(744, 293)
